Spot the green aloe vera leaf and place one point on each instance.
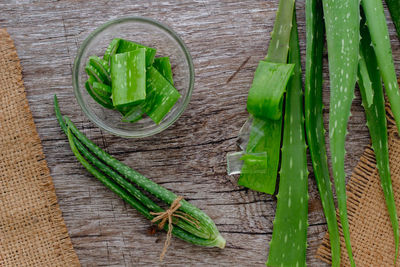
(163, 65)
(379, 32)
(93, 72)
(289, 238)
(111, 50)
(128, 46)
(377, 125)
(128, 75)
(102, 89)
(280, 36)
(161, 95)
(266, 93)
(342, 24)
(394, 9)
(102, 67)
(265, 136)
(315, 131)
(99, 99)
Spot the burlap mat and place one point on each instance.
(32, 231)
(370, 228)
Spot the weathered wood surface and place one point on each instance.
(226, 39)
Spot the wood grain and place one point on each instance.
(226, 39)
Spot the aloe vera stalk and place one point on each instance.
(129, 46)
(394, 9)
(265, 134)
(207, 226)
(376, 122)
(111, 50)
(379, 32)
(342, 24)
(289, 238)
(315, 130)
(102, 89)
(128, 73)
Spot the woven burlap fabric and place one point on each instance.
(32, 231)
(370, 228)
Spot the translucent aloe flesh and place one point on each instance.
(128, 73)
(163, 65)
(267, 132)
(289, 238)
(378, 29)
(315, 130)
(376, 122)
(342, 24)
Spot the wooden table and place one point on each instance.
(226, 39)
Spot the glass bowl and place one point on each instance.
(149, 33)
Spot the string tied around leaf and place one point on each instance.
(168, 215)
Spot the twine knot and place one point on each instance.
(163, 216)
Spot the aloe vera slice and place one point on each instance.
(266, 93)
(105, 103)
(93, 72)
(102, 89)
(128, 73)
(377, 125)
(134, 114)
(102, 67)
(289, 238)
(111, 50)
(161, 95)
(128, 46)
(163, 65)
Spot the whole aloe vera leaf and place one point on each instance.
(268, 136)
(394, 9)
(342, 24)
(280, 36)
(379, 32)
(289, 238)
(315, 130)
(376, 122)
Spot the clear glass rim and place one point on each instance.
(75, 77)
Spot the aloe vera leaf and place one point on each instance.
(206, 224)
(93, 72)
(315, 130)
(289, 238)
(134, 114)
(128, 73)
(265, 136)
(163, 65)
(377, 125)
(104, 102)
(111, 50)
(280, 36)
(102, 67)
(128, 46)
(394, 9)
(102, 89)
(379, 32)
(265, 96)
(161, 95)
(342, 24)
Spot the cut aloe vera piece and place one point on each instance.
(134, 114)
(161, 95)
(128, 73)
(255, 162)
(104, 102)
(93, 72)
(128, 46)
(102, 67)
(266, 93)
(102, 89)
(163, 65)
(111, 50)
